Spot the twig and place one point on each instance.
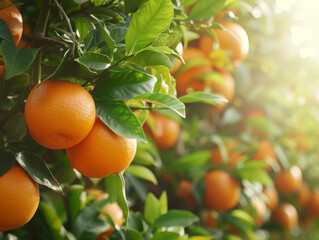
(69, 26)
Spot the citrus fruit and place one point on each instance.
(13, 18)
(185, 191)
(286, 215)
(272, 198)
(233, 156)
(289, 181)
(166, 132)
(303, 195)
(222, 191)
(102, 152)
(210, 219)
(264, 152)
(313, 204)
(260, 208)
(59, 114)
(19, 198)
(233, 38)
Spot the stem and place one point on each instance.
(39, 30)
(67, 19)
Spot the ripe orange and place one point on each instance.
(210, 219)
(264, 152)
(260, 208)
(272, 198)
(113, 209)
(289, 181)
(59, 114)
(234, 39)
(313, 204)
(13, 18)
(166, 131)
(286, 215)
(222, 191)
(303, 195)
(185, 191)
(19, 198)
(102, 152)
(233, 157)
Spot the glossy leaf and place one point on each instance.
(176, 218)
(206, 9)
(82, 28)
(38, 170)
(16, 128)
(147, 23)
(151, 58)
(5, 32)
(203, 97)
(7, 161)
(121, 196)
(17, 60)
(164, 100)
(141, 172)
(152, 208)
(120, 119)
(191, 161)
(124, 85)
(62, 63)
(95, 61)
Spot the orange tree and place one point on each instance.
(73, 108)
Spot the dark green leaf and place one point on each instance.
(141, 172)
(38, 170)
(120, 119)
(176, 218)
(17, 60)
(148, 22)
(203, 97)
(125, 85)
(95, 61)
(131, 6)
(82, 28)
(76, 201)
(121, 196)
(206, 9)
(166, 236)
(134, 234)
(15, 83)
(7, 161)
(5, 32)
(15, 128)
(164, 100)
(189, 162)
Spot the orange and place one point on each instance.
(286, 215)
(222, 191)
(59, 114)
(260, 208)
(302, 142)
(26, 38)
(13, 18)
(233, 156)
(210, 219)
(102, 152)
(264, 152)
(272, 198)
(185, 191)
(233, 39)
(289, 181)
(186, 77)
(313, 204)
(19, 198)
(303, 195)
(112, 209)
(166, 131)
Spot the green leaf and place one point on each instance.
(105, 12)
(147, 23)
(105, 34)
(16, 83)
(7, 161)
(164, 100)
(166, 236)
(163, 203)
(131, 6)
(263, 125)
(76, 201)
(62, 63)
(17, 60)
(191, 161)
(5, 32)
(95, 61)
(38, 170)
(176, 218)
(120, 119)
(203, 97)
(15, 128)
(144, 158)
(110, 183)
(151, 58)
(124, 85)
(121, 197)
(87, 224)
(257, 175)
(206, 9)
(152, 208)
(82, 28)
(141, 172)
